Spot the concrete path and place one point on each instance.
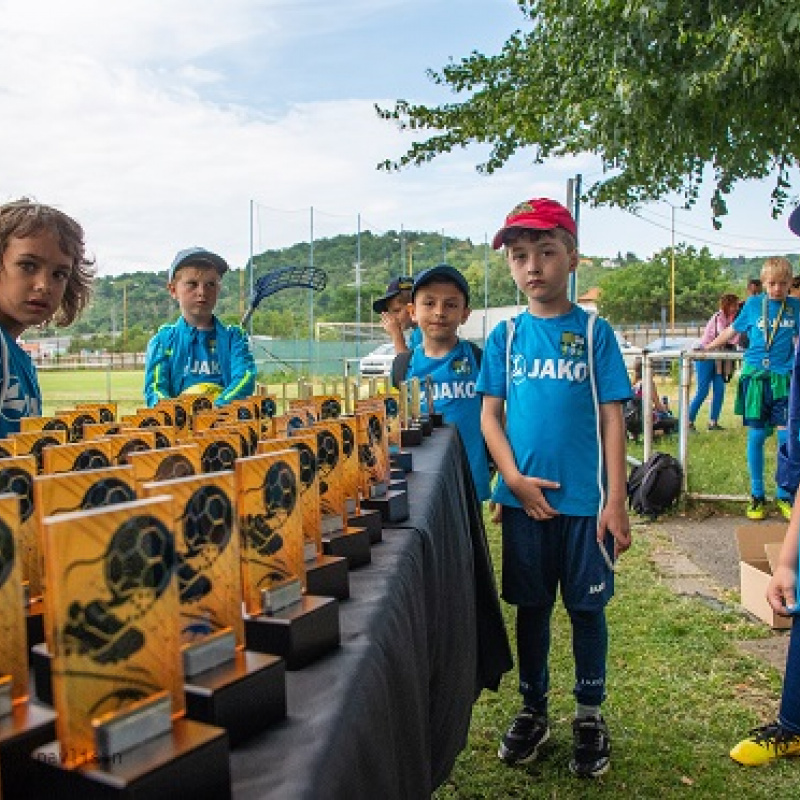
(702, 561)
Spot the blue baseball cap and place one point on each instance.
(199, 256)
(403, 283)
(794, 221)
(443, 272)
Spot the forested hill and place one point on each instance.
(139, 301)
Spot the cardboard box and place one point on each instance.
(759, 545)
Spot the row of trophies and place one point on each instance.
(160, 572)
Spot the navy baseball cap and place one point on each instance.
(794, 221)
(199, 256)
(442, 272)
(402, 283)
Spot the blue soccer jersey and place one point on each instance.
(775, 349)
(20, 395)
(454, 396)
(542, 374)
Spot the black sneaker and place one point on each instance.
(592, 747)
(527, 733)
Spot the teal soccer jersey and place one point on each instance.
(454, 397)
(782, 327)
(19, 386)
(550, 416)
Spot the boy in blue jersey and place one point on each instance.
(395, 310)
(771, 321)
(198, 354)
(560, 455)
(44, 276)
(439, 304)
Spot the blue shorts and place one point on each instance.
(539, 556)
(774, 412)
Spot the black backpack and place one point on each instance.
(655, 486)
(634, 424)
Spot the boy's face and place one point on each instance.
(776, 285)
(540, 267)
(33, 279)
(398, 309)
(196, 289)
(438, 309)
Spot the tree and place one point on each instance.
(638, 292)
(657, 88)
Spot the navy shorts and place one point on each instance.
(774, 413)
(541, 556)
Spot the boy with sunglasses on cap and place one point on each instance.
(554, 384)
(198, 354)
(395, 310)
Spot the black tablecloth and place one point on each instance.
(385, 715)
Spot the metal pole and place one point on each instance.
(358, 288)
(250, 321)
(672, 274)
(311, 295)
(485, 286)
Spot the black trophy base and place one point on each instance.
(402, 459)
(191, 760)
(27, 727)
(34, 621)
(398, 484)
(426, 425)
(351, 543)
(393, 506)
(244, 695)
(437, 419)
(371, 520)
(328, 576)
(300, 633)
(411, 437)
(41, 665)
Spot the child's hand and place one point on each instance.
(495, 512)
(782, 590)
(391, 324)
(529, 493)
(614, 519)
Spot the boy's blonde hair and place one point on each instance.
(514, 235)
(776, 267)
(23, 218)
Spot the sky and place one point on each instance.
(244, 125)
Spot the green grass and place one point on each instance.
(680, 695)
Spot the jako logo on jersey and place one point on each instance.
(562, 369)
(453, 391)
(198, 367)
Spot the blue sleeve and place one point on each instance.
(242, 369)
(613, 382)
(157, 369)
(492, 377)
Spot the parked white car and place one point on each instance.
(378, 362)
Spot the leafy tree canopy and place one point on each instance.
(657, 88)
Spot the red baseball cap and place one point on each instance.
(794, 221)
(540, 214)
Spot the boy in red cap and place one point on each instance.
(554, 384)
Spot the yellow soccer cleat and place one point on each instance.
(756, 509)
(785, 507)
(766, 744)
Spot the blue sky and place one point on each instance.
(160, 124)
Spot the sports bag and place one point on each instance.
(655, 486)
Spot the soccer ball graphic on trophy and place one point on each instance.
(19, 482)
(137, 568)
(217, 457)
(174, 466)
(207, 528)
(308, 465)
(263, 531)
(90, 458)
(327, 457)
(107, 492)
(330, 408)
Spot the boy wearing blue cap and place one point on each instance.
(395, 310)
(198, 354)
(439, 304)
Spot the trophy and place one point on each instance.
(165, 463)
(76, 456)
(174, 411)
(241, 691)
(373, 453)
(61, 493)
(117, 672)
(99, 430)
(124, 445)
(106, 412)
(218, 449)
(23, 726)
(34, 442)
(357, 516)
(70, 422)
(279, 618)
(325, 575)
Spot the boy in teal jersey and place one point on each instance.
(558, 440)
(771, 322)
(439, 304)
(198, 354)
